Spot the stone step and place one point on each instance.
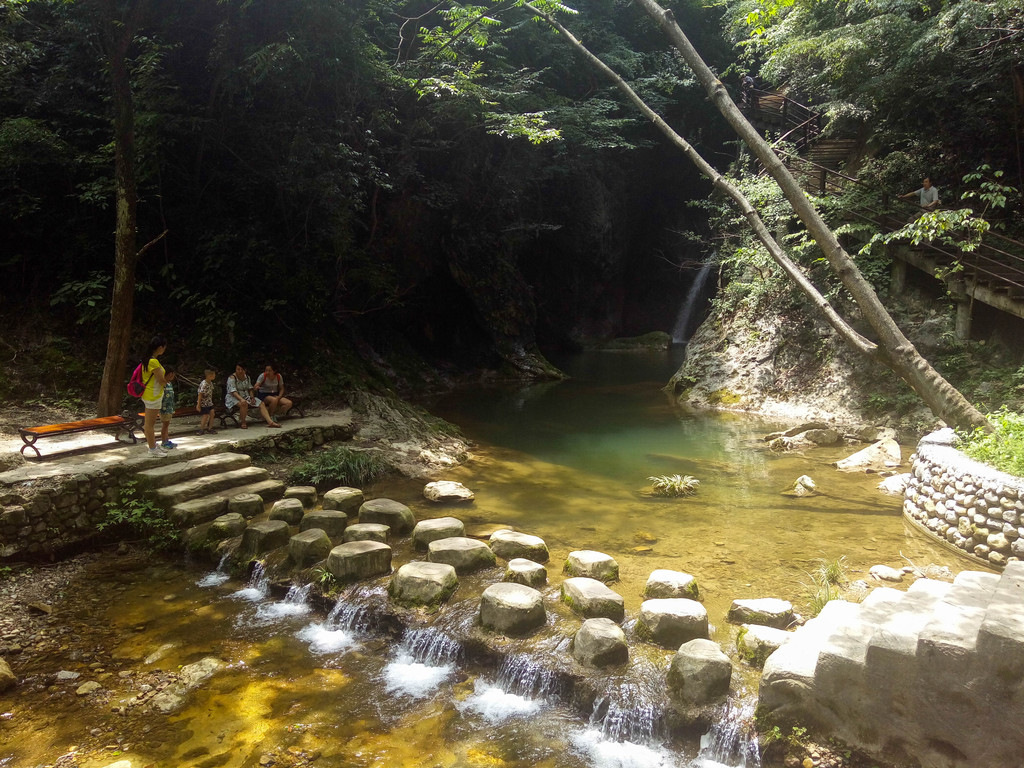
(200, 510)
(191, 468)
(171, 495)
(1001, 636)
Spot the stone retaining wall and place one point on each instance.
(972, 506)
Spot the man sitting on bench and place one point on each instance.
(239, 393)
(270, 389)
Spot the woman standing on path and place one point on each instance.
(153, 394)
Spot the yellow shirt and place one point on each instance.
(154, 389)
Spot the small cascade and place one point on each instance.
(681, 332)
(258, 587)
(295, 603)
(625, 731)
(425, 659)
(731, 742)
(340, 631)
(523, 687)
(217, 577)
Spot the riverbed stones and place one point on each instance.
(309, 546)
(756, 643)
(511, 609)
(444, 491)
(511, 544)
(600, 643)
(523, 571)
(263, 536)
(358, 560)
(884, 454)
(332, 521)
(7, 677)
(670, 622)
(387, 512)
(190, 677)
(226, 526)
(289, 510)
(420, 584)
(427, 531)
(367, 532)
(886, 573)
(592, 565)
(768, 611)
(592, 599)
(462, 553)
(246, 504)
(699, 674)
(304, 493)
(663, 583)
(343, 499)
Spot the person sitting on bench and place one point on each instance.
(270, 389)
(239, 393)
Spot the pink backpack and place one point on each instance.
(136, 386)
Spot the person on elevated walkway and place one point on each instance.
(927, 195)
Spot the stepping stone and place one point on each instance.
(511, 609)
(208, 507)
(769, 611)
(699, 674)
(246, 504)
(665, 584)
(359, 560)
(189, 490)
(304, 493)
(464, 554)
(509, 545)
(387, 512)
(367, 532)
(523, 571)
(592, 565)
(308, 547)
(756, 642)
(422, 584)
(447, 490)
(262, 537)
(427, 531)
(289, 510)
(227, 526)
(181, 471)
(672, 621)
(331, 521)
(600, 643)
(592, 599)
(343, 499)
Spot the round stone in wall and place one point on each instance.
(332, 521)
(246, 504)
(357, 560)
(309, 546)
(462, 553)
(263, 536)
(523, 571)
(420, 584)
(511, 609)
(592, 599)
(343, 499)
(227, 526)
(447, 491)
(304, 493)
(509, 545)
(367, 532)
(289, 510)
(600, 643)
(592, 565)
(387, 512)
(665, 583)
(769, 611)
(427, 531)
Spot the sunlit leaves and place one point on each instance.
(530, 125)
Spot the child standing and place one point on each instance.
(204, 403)
(167, 409)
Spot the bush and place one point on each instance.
(1003, 448)
(134, 514)
(341, 466)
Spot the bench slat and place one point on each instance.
(74, 426)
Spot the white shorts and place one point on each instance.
(154, 405)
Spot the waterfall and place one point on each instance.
(258, 586)
(627, 717)
(425, 659)
(217, 577)
(681, 331)
(731, 740)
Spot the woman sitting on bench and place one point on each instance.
(239, 393)
(270, 389)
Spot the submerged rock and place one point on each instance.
(885, 573)
(191, 676)
(511, 609)
(699, 674)
(447, 491)
(600, 643)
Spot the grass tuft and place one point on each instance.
(341, 466)
(674, 485)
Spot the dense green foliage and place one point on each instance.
(341, 466)
(133, 515)
(1002, 448)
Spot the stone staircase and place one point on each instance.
(933, 676)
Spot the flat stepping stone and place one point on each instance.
(420, 584)
(427, 531)
(509, 545)
(670, 622)
(289, 510)
(357, 560)
(663, 583)
(387, 512)
(769, 611)
(447, 491)
(511, 609)
(331, 521)
(309, 546)
(523, 571)
(263, 536)
(181, 471)
(755, 642)
(304, 493)
(699, 674)
(592, 599)
(246, 504)
(343, 499)
(208, 507)
(600, 643)
(462, 553)
(226, 526)
(367, 532)
(592, 565)
(198, 487)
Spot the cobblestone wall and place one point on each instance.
(968, 504)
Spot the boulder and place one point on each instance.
(672, 621)
(756, 643)
(885, 454)
(664, 584)
(592, 599)
(359, 560)
(191, 676)
(246, 504)
(333, 522)
(885, 573)
(7, 678)
(895, 485)
(226, 526)
(446, 490)
(509, 545)
(600, 643)
(367, 532)
(523, 571)
(802, 486)
(420, 584)
(289, 510)
(262, 537)
(592, 565)
(427, 531)
(310, 546)
(823, 436)
(767, 611)
(511, 609)
(699, 674)
(343, 499)
(304, 493)
(387, 512)
(462, 553)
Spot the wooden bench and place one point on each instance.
(231, 414)
(29, 435)
(181, 413)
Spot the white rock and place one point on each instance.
(885, 573)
